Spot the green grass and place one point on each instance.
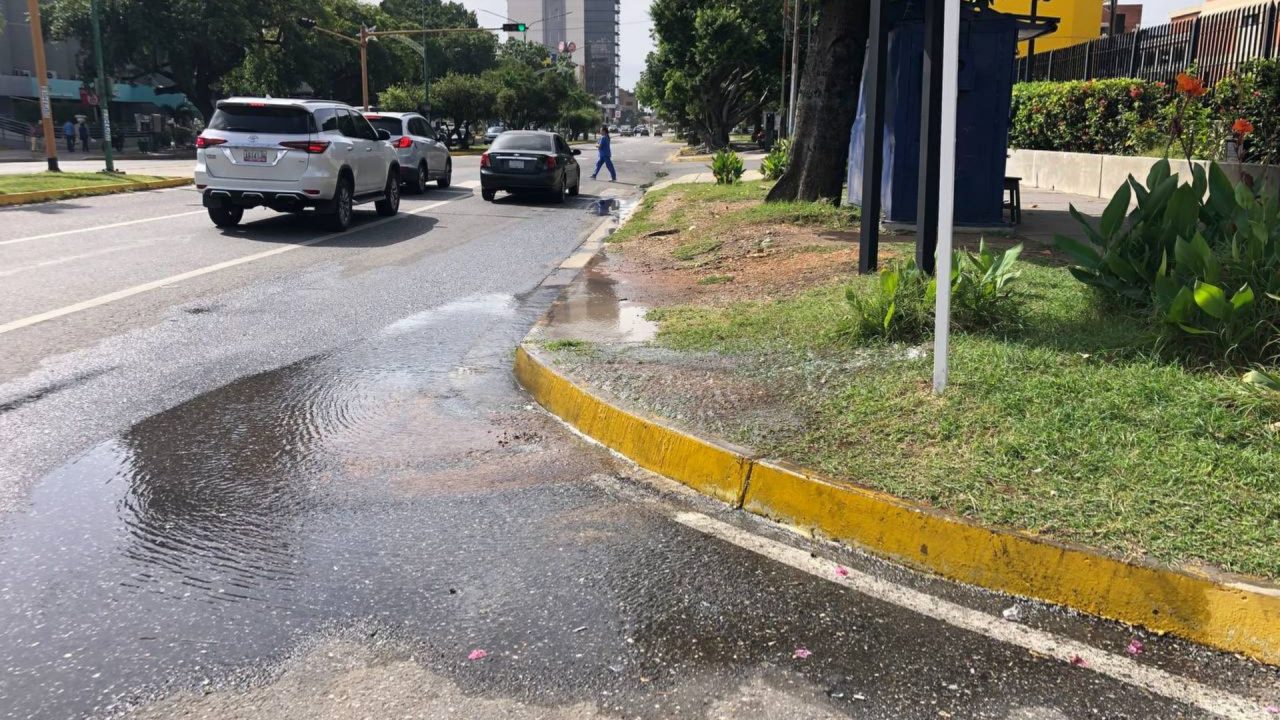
(568, 344)
(695, 198)
(1072, 427)
(32, 182)
(689, 251)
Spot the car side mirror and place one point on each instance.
(383, 134)
(576, 151)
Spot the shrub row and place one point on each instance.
(1128, 117)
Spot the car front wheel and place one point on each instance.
(226, 216)
(390, 203)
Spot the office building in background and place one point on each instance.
(592, 27)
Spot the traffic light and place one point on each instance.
(514, 27)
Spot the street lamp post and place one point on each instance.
(366, 35)
(42, 81)
(104, 93)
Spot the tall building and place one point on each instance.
(593, 27)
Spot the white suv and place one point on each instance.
(290, 155)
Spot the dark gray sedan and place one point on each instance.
(521, 161)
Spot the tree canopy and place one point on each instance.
(208, 49)
(714, 64)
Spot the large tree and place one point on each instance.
(827, 104)
(715, 63)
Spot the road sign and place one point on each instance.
(46, 109)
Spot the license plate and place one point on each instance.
(255, 156)
(515, 163)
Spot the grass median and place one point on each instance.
(1070, 424)
(48, 181)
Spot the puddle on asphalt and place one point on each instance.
(595, 308)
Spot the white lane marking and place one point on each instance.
(100, 227)
(1117, 667)
(69, 258)
(180, 277)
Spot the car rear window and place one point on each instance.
(273, 120)
(513, 141)
(391, 125)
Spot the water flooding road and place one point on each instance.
(334, 531)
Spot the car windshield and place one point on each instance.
(268, 119)
(391, 125)
(520, 141)
(496, 129)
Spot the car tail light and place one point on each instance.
(551, 162)
(484, 160)
(371, 116)
(206, 142)
(404, 142)
(311, 147)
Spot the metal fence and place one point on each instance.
(1217, 44)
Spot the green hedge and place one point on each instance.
(1128, 117)
(1114, 117)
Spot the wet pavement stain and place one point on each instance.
(403, 486)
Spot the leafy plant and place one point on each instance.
(1263, 379)
(775, 163)
(727, 166)
(982, 291)
(901, 308)
(1203, 256)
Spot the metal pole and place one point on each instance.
(946, 191)
(782, 99)
(42, 81)
(1111, 21)
(873, 139)
(930, 133)
(1031, 44)
(426, 80)
(795, 64)
(104, 93)
(364, 68)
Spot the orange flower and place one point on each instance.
(1242, 127)
(1190, 85)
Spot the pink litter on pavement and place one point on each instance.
(477, 654)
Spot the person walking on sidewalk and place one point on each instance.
(69, 132)
(84, 136)
(606, 156)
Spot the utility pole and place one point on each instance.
(783, 126)
(366, 36)
(426, 79)
(42, 80)
(795, 65)
(104, 92)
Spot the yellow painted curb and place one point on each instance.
(89, 190)
(1235, 614)
(707, 467)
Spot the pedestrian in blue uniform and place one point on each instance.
(606, 156)
(69, 132)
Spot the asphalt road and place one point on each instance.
(273, 473)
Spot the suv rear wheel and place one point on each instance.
(419, 185)
(447, 178)
(226, 216)
(390, 203)
(340, 216)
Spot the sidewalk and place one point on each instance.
(705, 353)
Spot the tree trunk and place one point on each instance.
(827, 104)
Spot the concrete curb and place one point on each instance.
(1235, 614)
(89, 190)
